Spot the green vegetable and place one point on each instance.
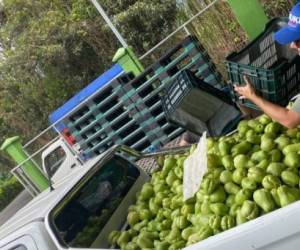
(209, 185)
(161, 245)
(290, 178)
(166, 202)
(160, 187)
(243, 128)
(270, 182)
(176, 202)
(158, 198)
(292, 132)
(264, 119)
(240, 161)
(203, 233)
(160, 161)
(201, 196)
(276, 155)
(213, 161)
(171, 178)
(252, 137)
(175, 213)
(147, 192)
(205, 208)
(187, 232)
(144, 242)
(181, 222)
(233, 209)
(166, 224)
(226, 176)
(253, 123)
(241, 148)
(133, 218)
(249, 210)
(149, 235)
(275, 168)
(287, 195)
(292, 160)
(199, 219)
(267, 145)
(174, 235)
(163, 234)
(152, 226)
(187, 209)
(170, 162)
(275, 197)
(263, 199)
(180, 161)
(282, 141)
(218, 195)
(268, 136)
(259, 156)
(291, 148)
(239, 174)
(227, 162)
(259, 128)
(113, 237)
(240, 219)
(227, 222)
(219, 208)
(263, 164)
(131, 246)
(215, 222)
(140, 225)
(177, 245)
(273, 128)
(242, 195)
(230, 200)
(231, 188)
(256, 174)
(124, 238)
(248, 183)
(224, 148)
(178, 172)
(152, 206)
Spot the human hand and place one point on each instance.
(246, 91)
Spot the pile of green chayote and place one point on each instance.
(252, 172)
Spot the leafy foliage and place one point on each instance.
(52, 49)
(9, 189)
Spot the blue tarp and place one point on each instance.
(83, 94)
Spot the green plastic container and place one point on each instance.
(273, 69)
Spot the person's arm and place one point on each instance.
(284, 116)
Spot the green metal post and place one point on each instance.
(250, 15)
(13, 147)
(128, 61)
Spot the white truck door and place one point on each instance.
(59, 158)
(23, 243)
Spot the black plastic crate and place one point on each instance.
(273, 69)
(197, 106)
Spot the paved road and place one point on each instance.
(20, 201)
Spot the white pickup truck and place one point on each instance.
(93, 200)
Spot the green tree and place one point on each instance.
(52, 49)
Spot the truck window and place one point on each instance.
(82, 218)
(55, 159)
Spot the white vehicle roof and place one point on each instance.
(41, 205)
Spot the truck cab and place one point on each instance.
(81, 211)
(60, 159)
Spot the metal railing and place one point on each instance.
(18, 171)
(182, 27)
